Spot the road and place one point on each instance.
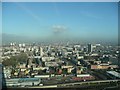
(89, 82)
(66, 85)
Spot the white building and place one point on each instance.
(41, 51)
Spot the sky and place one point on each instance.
(60, 0)
(0, 24)
(61, 20)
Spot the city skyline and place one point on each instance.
(59, 44)
(61, 21)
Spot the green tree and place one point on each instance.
(14, 60)
(22, 57)
(9, 62)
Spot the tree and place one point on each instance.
(15, 60)
(9, 62)
(64, 71)
(22, 57)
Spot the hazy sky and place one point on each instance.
(61, 20)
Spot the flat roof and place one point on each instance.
(28, 79)
(23, 79)
(114, 73)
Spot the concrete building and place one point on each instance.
(89, 48)
(23, 82)
(41, 51)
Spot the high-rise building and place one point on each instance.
(119, 59)
(20, 45)
(41, 51)
(89, 48)
(49, 47)
(23, 44)
(84, 49)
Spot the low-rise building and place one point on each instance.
(42, 76)
(22, 82)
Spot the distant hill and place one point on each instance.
(8, 38)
